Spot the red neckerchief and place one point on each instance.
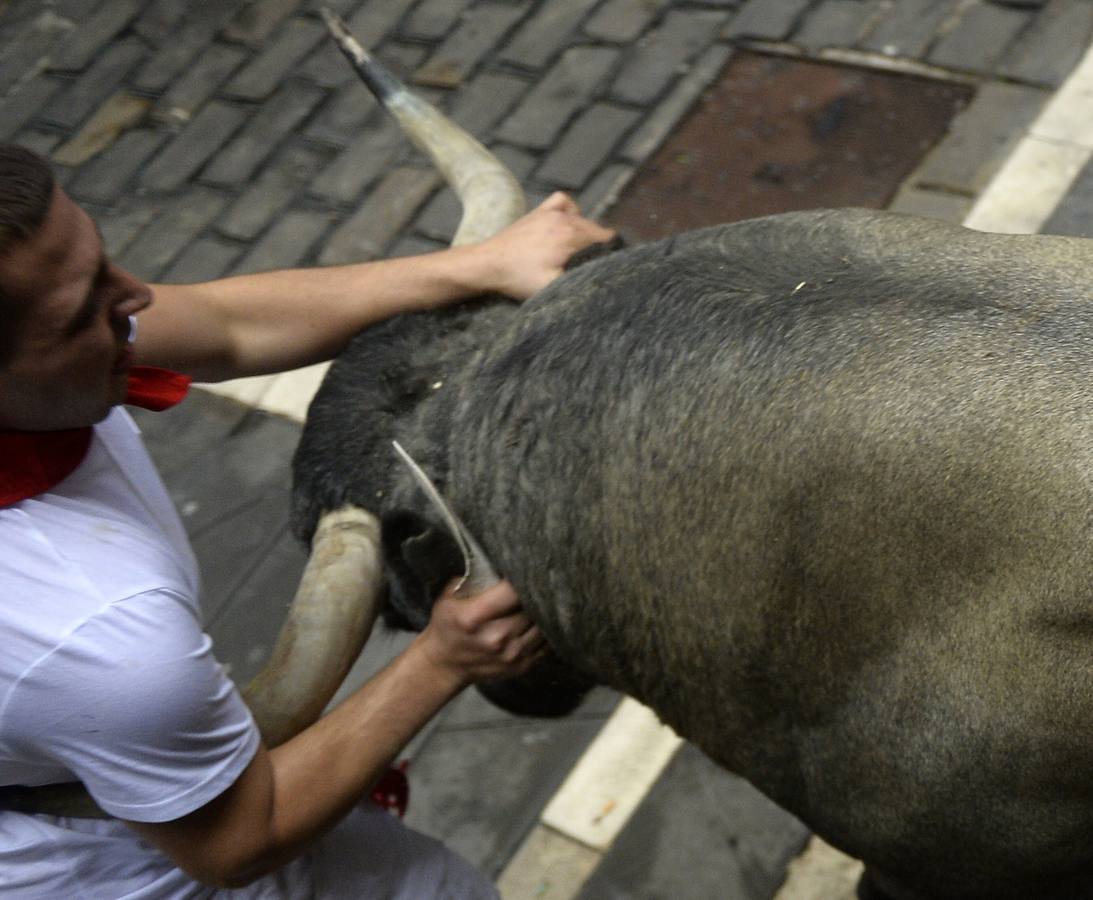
(32, 462)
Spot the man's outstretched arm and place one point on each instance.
(292, 794)
(273, 321)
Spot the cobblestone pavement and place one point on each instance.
(218, 138)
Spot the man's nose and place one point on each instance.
(133, 294)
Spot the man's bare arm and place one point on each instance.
(273, 321)
(290, 795)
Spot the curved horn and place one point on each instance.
(328, 623)
(490, 194)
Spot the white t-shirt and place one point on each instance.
(107, 678)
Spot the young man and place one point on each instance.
(106, 677)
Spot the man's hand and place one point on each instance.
(529, 254)
(481, 638)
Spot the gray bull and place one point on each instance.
(816, 487)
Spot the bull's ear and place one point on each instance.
(421, 558)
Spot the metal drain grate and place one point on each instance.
(775, 134)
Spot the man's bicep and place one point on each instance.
(223, 842)
(134, 704)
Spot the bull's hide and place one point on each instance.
(816, 487)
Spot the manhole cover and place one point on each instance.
(776, 134)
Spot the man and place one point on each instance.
(106, 677)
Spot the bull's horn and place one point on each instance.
(327, 625)
(490, 194)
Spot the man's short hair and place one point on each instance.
(26, 191)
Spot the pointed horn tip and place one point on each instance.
(334, 22)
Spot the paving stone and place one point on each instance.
(119, 227)
(373, 21)
(342, 7)
(541, 38)
(102, 79)
(236, 547)
(194, 33)
(29, 47)
(378, 144)
(90, 40)
(326, 66)
(770, 20)
(206, 133)
(586, 145)
(1052, 46)
(564, 90)
(932, 204)
(723, 818)
(661, 56)
(78, 10)
(907, 27)
(106, 178)
(43, 143)
(659, 124)
(116, 116)
(288, 243)
(201, 80)
(602, 192)
(836, 23)
(1074, 215)
(256, 20)
(17, 13)
(273, 121)
(980, 138)
(159, 20)
(343, 116)
(281, 56)
(413, 245)
(250, 617)
(205, 259)
(184, 433)
(480, 29)
(479, 790)
(176, 224)
(622, 21)
(366, 233)
(432, 19)
(441, 215)
(979, 39)
(273, 190)
(22, 105)
(484, 101)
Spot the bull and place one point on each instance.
(816, 487)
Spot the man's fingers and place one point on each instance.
(560, 200)
(492, 603)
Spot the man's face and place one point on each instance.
(72, 356)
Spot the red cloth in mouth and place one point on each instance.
(32, 462)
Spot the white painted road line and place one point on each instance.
(592, 806)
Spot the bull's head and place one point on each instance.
(389, 384)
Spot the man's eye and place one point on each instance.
(92, 303)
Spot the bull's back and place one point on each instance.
(818, 488)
